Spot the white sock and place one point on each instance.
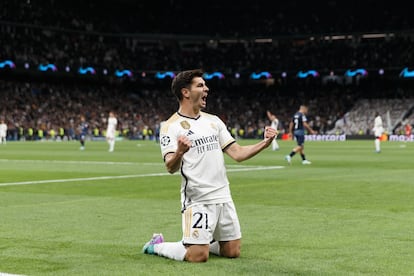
(275, 145)
(111, 145)
(215, 248)
(377, 145)
(171, 250)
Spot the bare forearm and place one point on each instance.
(242, 153)
(307, 126)
(290, 127)
(173, 161)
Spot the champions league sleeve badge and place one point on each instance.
(165, 141)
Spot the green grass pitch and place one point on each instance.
(69, 212)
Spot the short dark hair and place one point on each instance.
(183, 80)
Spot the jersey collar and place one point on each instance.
(193, 118)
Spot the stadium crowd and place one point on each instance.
(75, 35)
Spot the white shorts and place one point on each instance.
(204, 223)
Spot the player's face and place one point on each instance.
(199, 93)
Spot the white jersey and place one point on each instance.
(203, 172)
(3, 130)
(378, 128)
(111, 129)
(275, 124)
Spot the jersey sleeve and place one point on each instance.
(225, 137)
(304, 119)
(168, 139)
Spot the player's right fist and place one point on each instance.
(184, 144)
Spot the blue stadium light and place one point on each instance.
(405, 73)
(26, 65)
(353, 73)
(122, 73)
(161, 76)
(260, 75)
(87, 70)
(218, 75)
(237, 75)
(46, 67)
(67, 69)
(304, 75)
(7, 63)
(381, 71)
(284, 74)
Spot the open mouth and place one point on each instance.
(204, 99)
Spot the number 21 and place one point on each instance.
(199, 220)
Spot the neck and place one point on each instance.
(189, 111)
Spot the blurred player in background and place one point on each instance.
(274, 124)
(3, 132)
(297, 127)
(111, 131)
(378, 131)
(193, 143)
(408, 129)
(83, 132)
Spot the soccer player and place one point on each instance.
(378, 130)
(110, 131)
(274, 124)
(408, 129)
(297, 127)
(3, 132)
(83, 129)
(193, 143)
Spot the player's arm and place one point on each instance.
(173, 160)
(269, 115)
(307, 126)
(240, 153)
(290, 128)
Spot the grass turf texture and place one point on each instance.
(349, 213)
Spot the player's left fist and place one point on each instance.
(270, 132)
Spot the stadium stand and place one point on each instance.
(119, 35)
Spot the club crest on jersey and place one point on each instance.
(165, 141)
(185, 125)
(213, 126)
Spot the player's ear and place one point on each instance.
(185, 92)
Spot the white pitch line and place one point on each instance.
(79, 162)
(8, 274)
(81, 179)
(124, 176)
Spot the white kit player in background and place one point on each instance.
(3, 132)
(378, 131)
(193, 142)
(274, 124)
(111, 131)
